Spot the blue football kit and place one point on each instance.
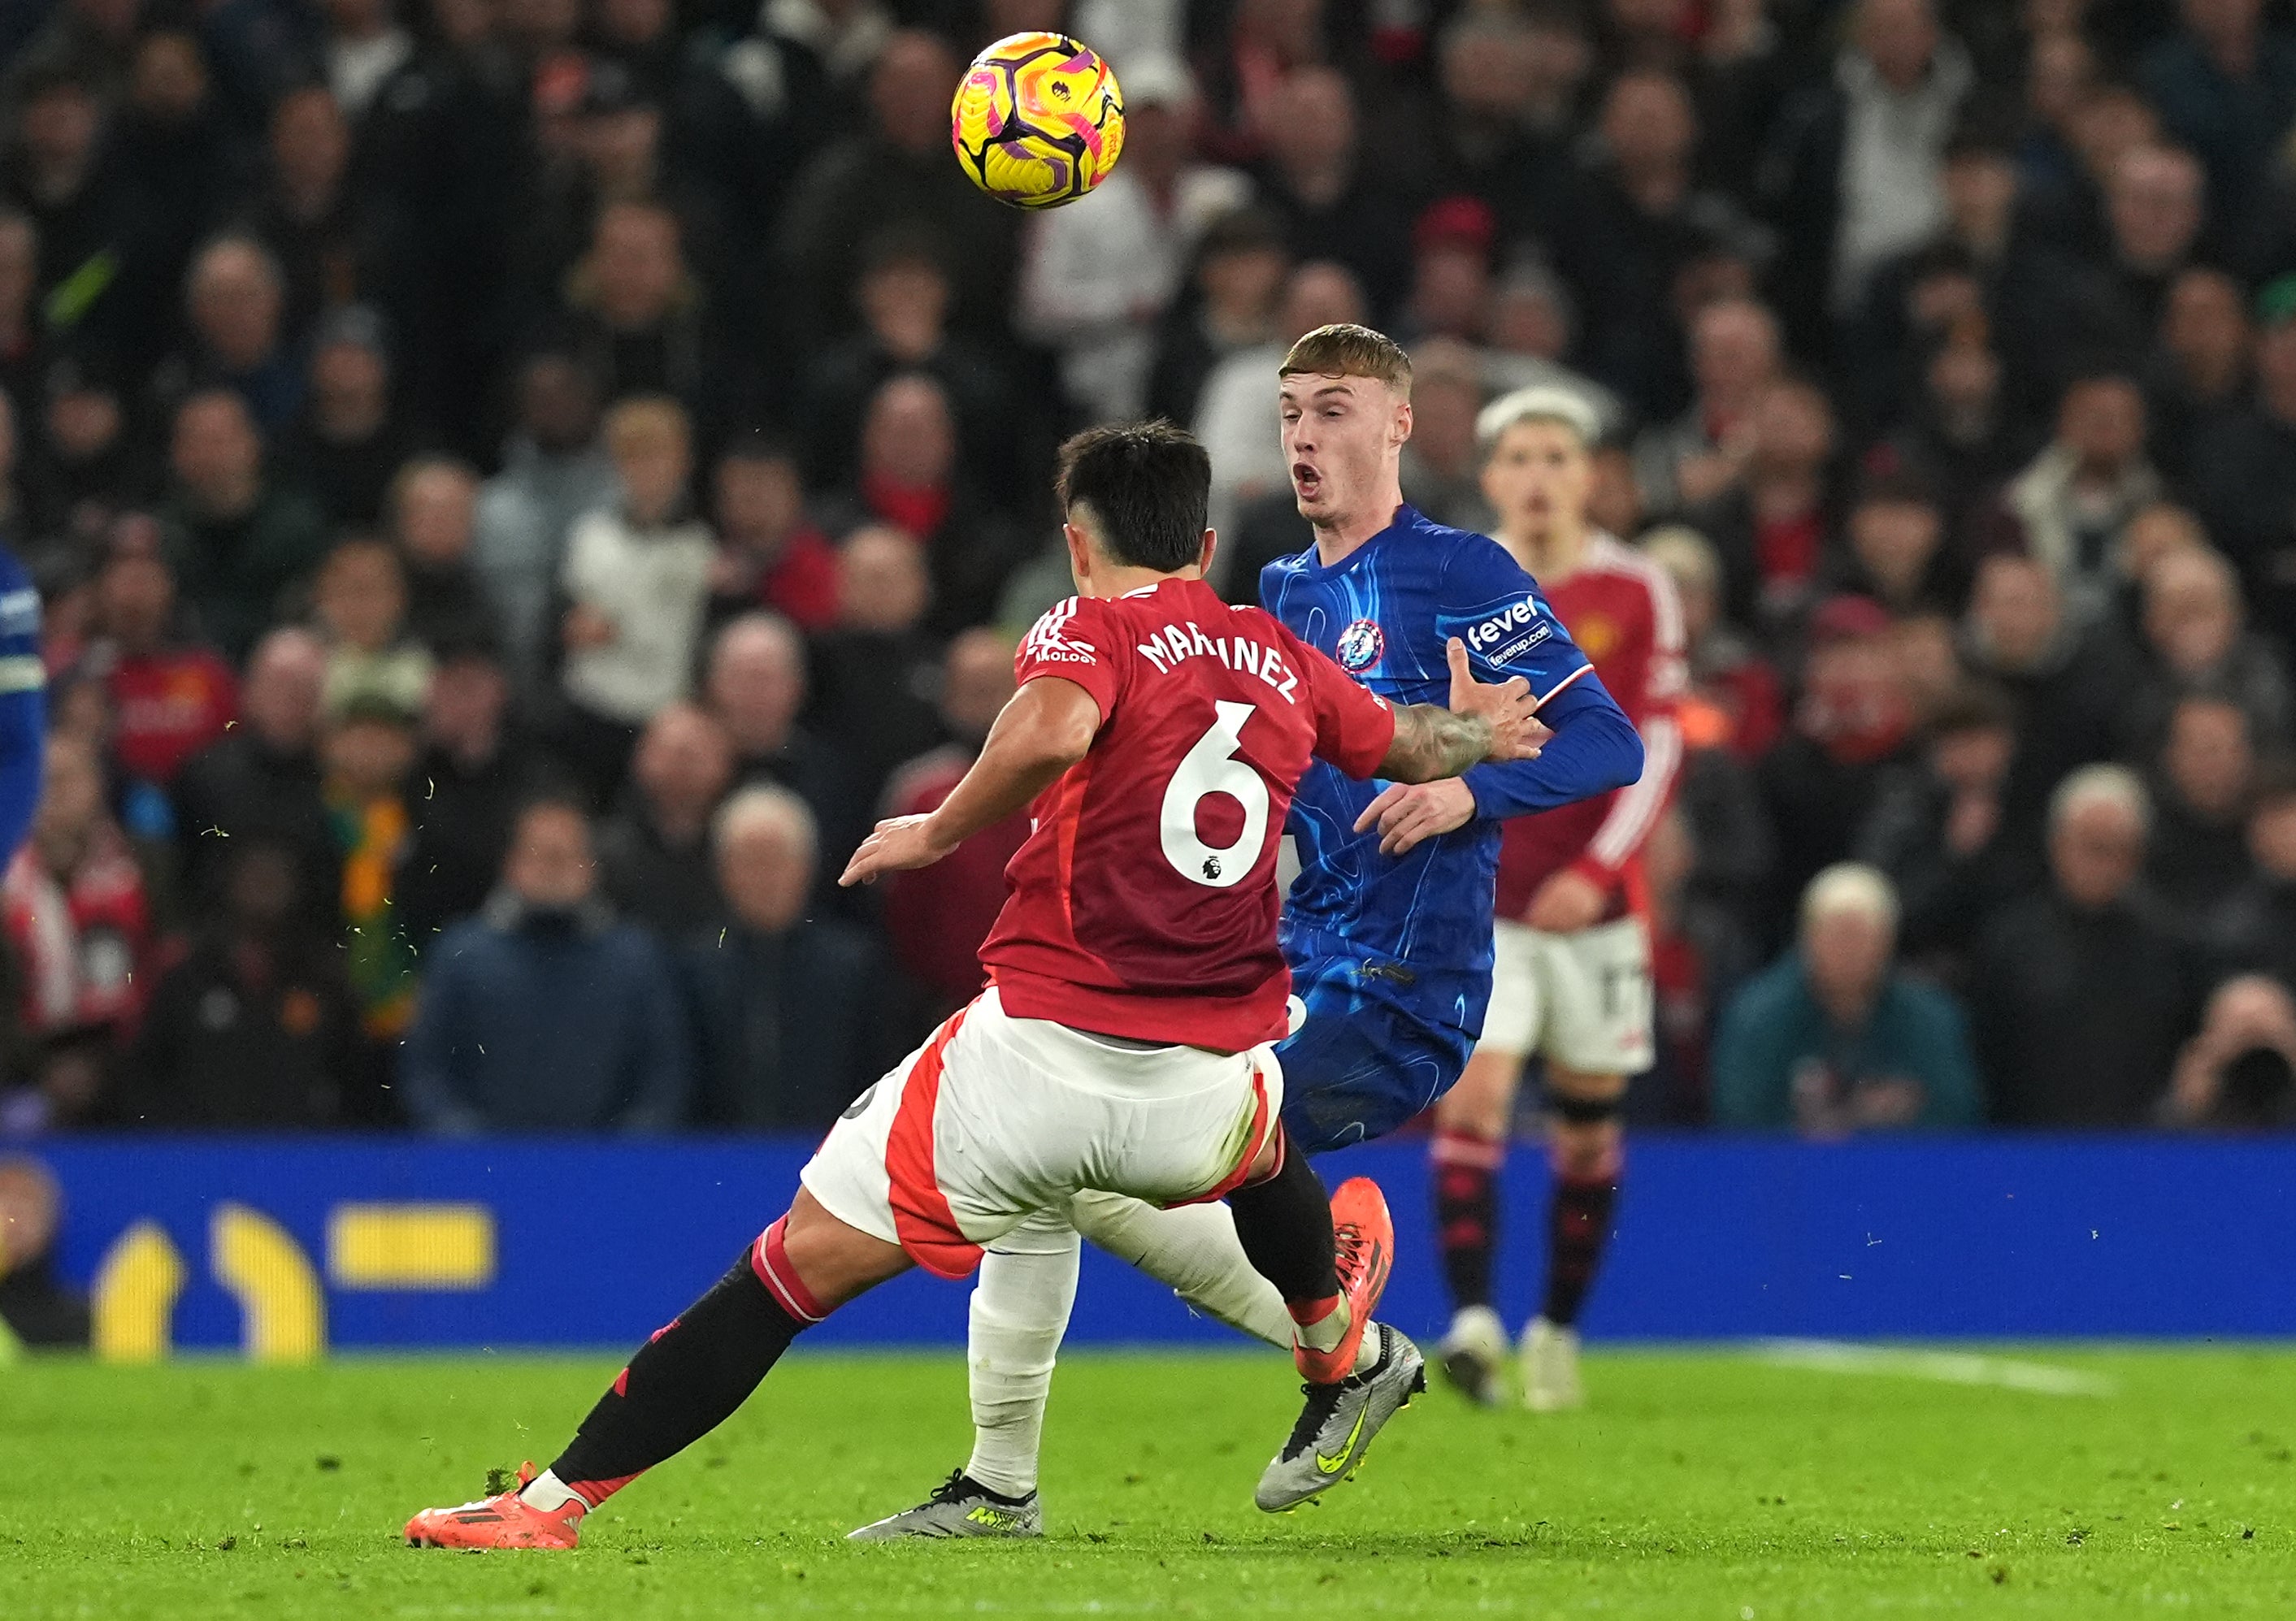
(24, 703)
(1391, 954)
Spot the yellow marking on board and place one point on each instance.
(283, 1311)
(133, 1300)
(411, 1246)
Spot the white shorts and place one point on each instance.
(1582, 1001)
(995, 1118)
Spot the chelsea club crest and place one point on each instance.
(1359, 646)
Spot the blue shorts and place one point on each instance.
(1380, 1044)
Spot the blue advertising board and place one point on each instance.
(291, 1246)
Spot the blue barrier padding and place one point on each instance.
(599, 1243)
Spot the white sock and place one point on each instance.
(1193, 1247)
(1367, 1348)
(1020, 1311)
(549, 1494)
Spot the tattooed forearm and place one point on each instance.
(1432, 742)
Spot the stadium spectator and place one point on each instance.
(1938, 835)
(2197, 854)
(1236, 412)
(251, 1028)
(1700, 456)
(2244, 472)
(2239, 1072)
(1229, 307)
(770, 554)
(2228, 87)
(1442, 465)
(937, 917)
(236, 308)
(1531, 335)
(2254, 930)
(79, 925)
(1853, 174)
(304, 209)
(554, 470)
(1849, 737)
(261, 779)
(170, 698)
(786, 1007)
(1097, 277)
(1503, 127)
(544, 1013)
(346, 447)
(2200, 372)
(237, 542)
(362, 47)
(877, 670)
(653, 857)
(1834, 1038)
(1898, 549)
(2079, 997)
(1699, 955)
(903, 298)
(897, 168)
(56, 177)
(433, 505)
(1450, 301)
(366, 750)
(2067, 684)
(1772, 523)
(37, 1308)
(81, 468)
(476, 769)
(2072, 502)
(360, 601)
(23, 348)
(1332, 206)
(637, 580)
(908, 475)
(2195, 642)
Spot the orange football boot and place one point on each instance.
(1365, 1236)
(501, 1521)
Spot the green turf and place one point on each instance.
(1700, 1485)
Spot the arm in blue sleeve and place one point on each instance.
(23, 733)
(23, 704)
(1594, 749)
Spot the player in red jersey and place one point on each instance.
(1571, 979)
(1123, 1043)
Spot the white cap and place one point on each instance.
(1541, 403)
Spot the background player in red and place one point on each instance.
(1156, 737)
(1570, 977)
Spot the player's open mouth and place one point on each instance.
(1305, 479)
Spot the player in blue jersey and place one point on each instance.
(1387, 928)
(23, 702)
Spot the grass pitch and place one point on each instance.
(1705, 1486)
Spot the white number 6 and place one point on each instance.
(1211, 768)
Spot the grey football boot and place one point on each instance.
(960, 1506)
(1336, 1427)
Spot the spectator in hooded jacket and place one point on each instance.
(544, 1012)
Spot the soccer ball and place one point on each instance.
(1038, 120)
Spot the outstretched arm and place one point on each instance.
(1047, 728)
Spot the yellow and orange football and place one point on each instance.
(1038, 120)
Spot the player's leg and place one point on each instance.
(684, 1382)
(1599, 982)
(1473, 1123)
(1020, 1310)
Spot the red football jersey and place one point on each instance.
(1622, 611)
(1144, 902)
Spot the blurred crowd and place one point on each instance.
(519, 487)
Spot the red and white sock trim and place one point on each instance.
(769, 1259)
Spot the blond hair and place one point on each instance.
(647, 421)
(1349, 350)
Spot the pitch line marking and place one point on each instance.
(1945, 1367)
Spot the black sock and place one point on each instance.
(1579, 1226)
(1466, 1212)
(1285, 1226)
(685, 1382)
